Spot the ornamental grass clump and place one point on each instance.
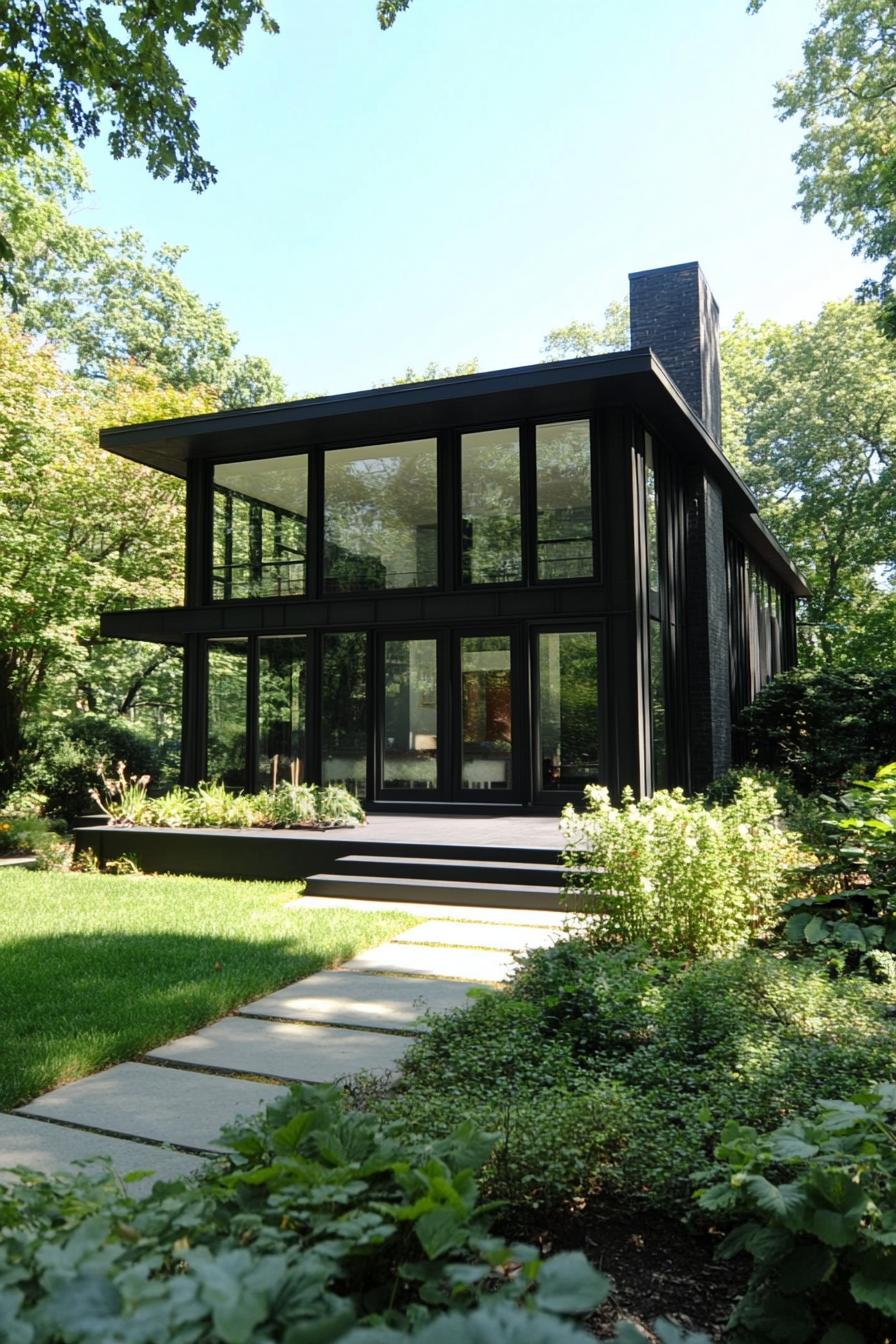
(673, 874)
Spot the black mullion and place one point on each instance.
(374, 731)
(252, 707)
(313, 706)
(314, 543)
(528, 504)
(448, 527)
(597, 500)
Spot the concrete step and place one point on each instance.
(443, 963)
(468, 914)
(509, 896)
(45, 1147)
(137, 1101)
(285, 1051)
(450, 870)
(346, 999)
(497, 937)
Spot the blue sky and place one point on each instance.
(485, 171)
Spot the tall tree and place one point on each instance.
(844, 98)
(103, 297)
(67, 69)
(810, 422)
(80, 530)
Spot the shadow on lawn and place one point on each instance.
(74, 1003)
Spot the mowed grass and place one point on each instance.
(97, 969)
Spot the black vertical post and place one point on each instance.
(195, 711)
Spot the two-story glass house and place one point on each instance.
(485, 590)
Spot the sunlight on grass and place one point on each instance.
(96, 969)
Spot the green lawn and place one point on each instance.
(95, 969)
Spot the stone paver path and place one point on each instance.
(164, 1113)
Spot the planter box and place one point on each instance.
(219, 852)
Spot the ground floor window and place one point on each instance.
(343, 721)
(454, 715)
(568, 700)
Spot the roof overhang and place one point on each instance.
(634, 378)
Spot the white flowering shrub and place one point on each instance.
(669, 872)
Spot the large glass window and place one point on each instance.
(563, 492)
(227, 690)
(568, 709)
(260, 528)
(344, 711)
(486, 712)
(380, 517)
(410, 718)
(490, 507)
(281, 710)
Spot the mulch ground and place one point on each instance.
(658, 1267)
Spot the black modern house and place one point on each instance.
(482, 590)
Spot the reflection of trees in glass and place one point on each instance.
(658, 707)
(380, 516)
(568, 708)
(650, 503)
(410, 714)
(487, 708)
(344, 711)
(259, 528)
(226, 757)
(281, 710)
(563, 479)
(490, 490)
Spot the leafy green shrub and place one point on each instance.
(609, 1071)
(668, 872)
(60, 760)
(820, 1198)
(316, 1221)
(30, 835)
(822, 725)
(852, 914)
(127, 802)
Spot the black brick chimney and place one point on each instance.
(673, 311)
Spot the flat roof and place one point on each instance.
(634, 378)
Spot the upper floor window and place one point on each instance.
(491, 538)
(260, 527)
(381, 517)
(563, 495)
(652, 521)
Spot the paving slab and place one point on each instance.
(294, 1053)
(446, 963)
(51, 1148)
(145, 1102)
(505, 937)
(480, 914)
(352, 1000)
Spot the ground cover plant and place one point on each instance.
(819, 1197)
(318, 1221)
(96, 969)
(127, 802)
(849, 912)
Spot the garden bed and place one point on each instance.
(248, 852)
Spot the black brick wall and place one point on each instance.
(673, 311)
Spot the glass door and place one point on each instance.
(570, 736)
(487, 718)
(410, 766)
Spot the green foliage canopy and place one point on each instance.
(809, 420)
(66, 66)
(843, 100)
